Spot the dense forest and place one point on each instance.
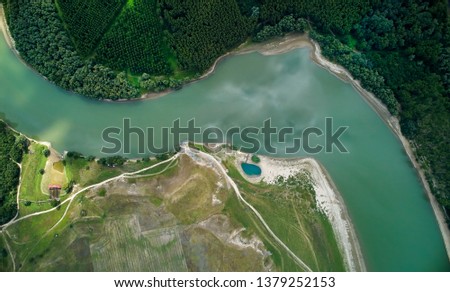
(88, 21)
(399, 50)
(136, 42)
(199, 33)
(11, 152)
(43, 43)
(336, 16)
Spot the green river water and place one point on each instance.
(390, 211)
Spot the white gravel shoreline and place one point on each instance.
(328, 199)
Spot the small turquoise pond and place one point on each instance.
(251, 169)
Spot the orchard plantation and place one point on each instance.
(120, 49)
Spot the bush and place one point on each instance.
(162, 157)
(286, 25)
(112, 161)
(360, 67)
(3, 253)
(46, 152)
(101, 192)
(55, 203)
(256, 159)
(74, 155)
(69, 187)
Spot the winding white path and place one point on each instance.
(192, 153)
(70, 199)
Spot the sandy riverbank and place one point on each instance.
(394, 125)
(274, 47)
(46, 144)
(12, 44)
(5, 29)
(296, 41)
(328, 199)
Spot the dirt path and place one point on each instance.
(72, 197)
(125, 175)
(328, 199)
(9, 251)
(70, 200)
(18, 190)
(19, 164)
(193, 153)
(302, 231)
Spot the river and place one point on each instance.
(390, 211)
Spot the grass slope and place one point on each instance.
(30, 189)
(178, 217)
(289, 208)
(130, 225)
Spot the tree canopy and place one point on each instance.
(399, 50)
(12, 148)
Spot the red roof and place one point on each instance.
(54, 187)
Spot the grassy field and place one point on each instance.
(206, 251)
(87, 172)
(5, 258)
(29, 238)
(192, 202)
(30, 190)
(242, 215)
(151, 223)
(290, 210)
(128, 249)
(179, 216)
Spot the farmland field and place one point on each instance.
(183, 216)
(127, 249)
(141, 224)
(5, 258)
